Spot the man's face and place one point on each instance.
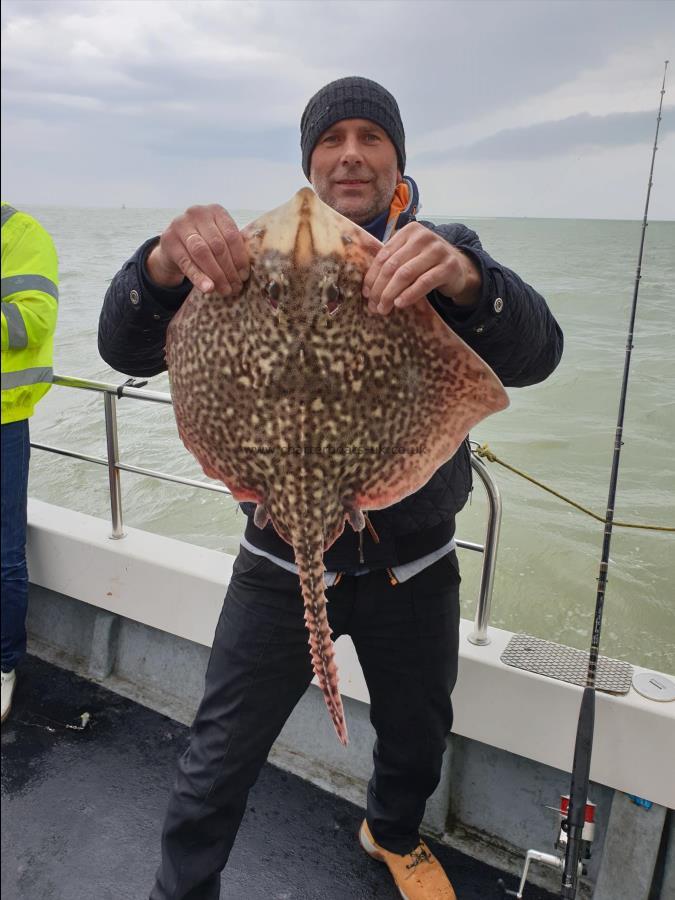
(354, 169)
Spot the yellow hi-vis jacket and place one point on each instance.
(30, 296)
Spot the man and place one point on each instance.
(398, 599)
(29, 307)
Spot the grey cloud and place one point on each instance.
(174, 83)
(275, 144)
(444, 61)
(560, 137)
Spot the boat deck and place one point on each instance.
(82, 810)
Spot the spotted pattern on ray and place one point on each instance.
(297, 398)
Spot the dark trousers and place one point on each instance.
(406, 638)
(14, 499)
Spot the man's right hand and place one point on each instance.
(203, 245)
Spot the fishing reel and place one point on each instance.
(557, 859)
(587, 834)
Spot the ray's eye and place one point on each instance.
(273, 292)
(333, 299)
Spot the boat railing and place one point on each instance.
(133, 389)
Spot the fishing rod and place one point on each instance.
(573, 825)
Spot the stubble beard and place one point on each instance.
(359, 212)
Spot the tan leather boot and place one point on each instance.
(418, 875)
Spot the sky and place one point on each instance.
(542, 108)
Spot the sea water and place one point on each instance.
(560, 432)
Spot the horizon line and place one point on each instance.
(433, 215)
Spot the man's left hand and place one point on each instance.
(414, 262)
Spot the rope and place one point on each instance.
(484, 452)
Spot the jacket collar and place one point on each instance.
(404, 206)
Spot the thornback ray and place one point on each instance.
(298, 399)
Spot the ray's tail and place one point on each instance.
(309, 558)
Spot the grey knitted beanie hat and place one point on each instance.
(350, 98)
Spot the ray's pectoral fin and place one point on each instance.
(261, 516)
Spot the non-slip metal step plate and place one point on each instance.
(565, 663)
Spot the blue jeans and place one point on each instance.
(14, 498)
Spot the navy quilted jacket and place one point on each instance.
(511, 328)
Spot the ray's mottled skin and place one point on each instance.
(298, 399)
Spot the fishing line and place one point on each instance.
(584, 740)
